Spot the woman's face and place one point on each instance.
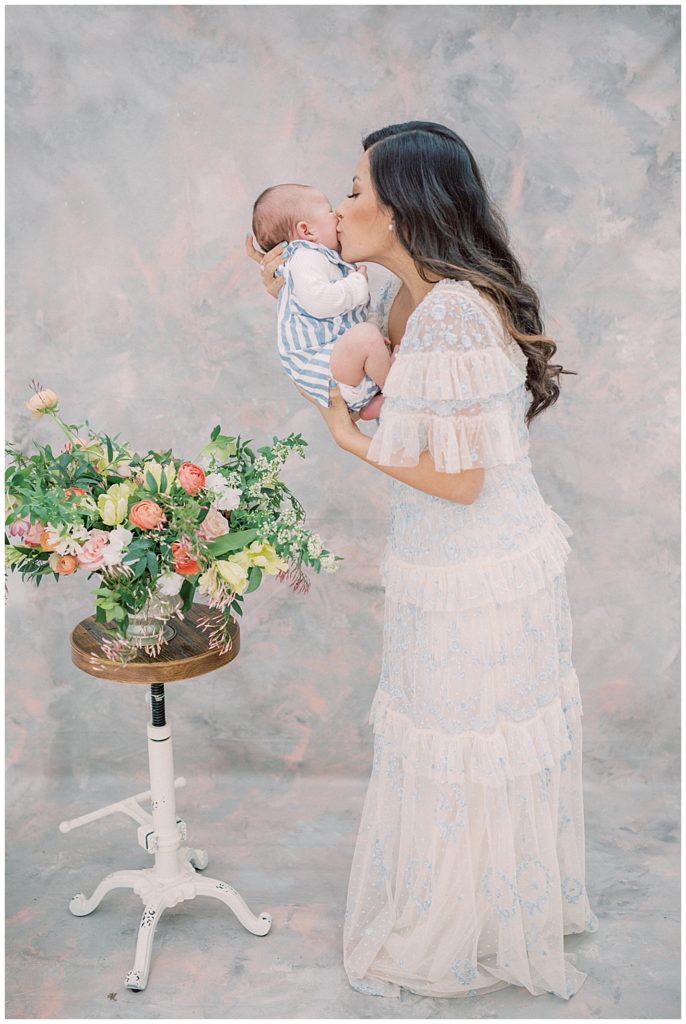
(362, 222)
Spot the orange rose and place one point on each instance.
(184, 564)
(69, 491)
(146, 514)
(66, 564)
(191, 477)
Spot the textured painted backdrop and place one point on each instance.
(137, 141)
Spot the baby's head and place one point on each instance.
(283, 213)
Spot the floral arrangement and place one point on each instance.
(154, 526)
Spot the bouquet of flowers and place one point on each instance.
(156, 528)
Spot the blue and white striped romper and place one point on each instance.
(305, 341)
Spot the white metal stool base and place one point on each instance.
(174, 876)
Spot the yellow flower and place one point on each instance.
(156, 469)
(114, 504)
(233, 573)
(262, 554)
(42, 401)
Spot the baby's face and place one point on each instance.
(322, 222)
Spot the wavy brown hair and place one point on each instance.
(426, 175)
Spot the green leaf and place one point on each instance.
(141, 566)
(187, 592)
(213, 435)
(231, 542)
(152, 564)
(163, 481)
(254, 579)
(110, 453)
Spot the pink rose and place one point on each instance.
(78, 441)
(18, 530)
(33, 537)
(213, 525)
(90, 556)
(191, 477)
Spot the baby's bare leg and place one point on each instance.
(362, 349)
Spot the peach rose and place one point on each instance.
(91, 557)
(42, 401)
(66, 564)
(191, 477)
(213, 525)
(146, 514)
(74, 491)
(184, 563)
(45, 543)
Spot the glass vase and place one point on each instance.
(144, 626)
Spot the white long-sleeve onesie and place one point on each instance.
(319, 288)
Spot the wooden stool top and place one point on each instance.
(186, 654)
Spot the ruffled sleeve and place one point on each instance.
(456, 388)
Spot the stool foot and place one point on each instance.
(79, 905)
(228, 895)
(137, 978)
(199, 859)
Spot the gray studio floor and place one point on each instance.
(281, 836)
(205, 965)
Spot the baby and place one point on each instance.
(323, 334)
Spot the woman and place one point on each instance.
(469, 866)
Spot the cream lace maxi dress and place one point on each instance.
(469, 865)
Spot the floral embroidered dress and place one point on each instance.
(469, 866)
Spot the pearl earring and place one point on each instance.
(390, 226)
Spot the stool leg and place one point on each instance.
(80, 905)
(228, 895)
(137, 978)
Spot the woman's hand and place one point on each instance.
(268, 263)
(338, 417)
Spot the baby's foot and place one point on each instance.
(372, 409)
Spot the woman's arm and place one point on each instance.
(463, 488)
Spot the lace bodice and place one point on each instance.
(457, 389)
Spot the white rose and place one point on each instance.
(170, 583)
(119, 539)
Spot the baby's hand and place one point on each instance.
(363, 270)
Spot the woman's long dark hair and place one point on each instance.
(426, 175)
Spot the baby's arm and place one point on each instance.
(317, 294)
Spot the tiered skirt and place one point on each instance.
(469, 866)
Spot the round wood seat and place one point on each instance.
(187, 654)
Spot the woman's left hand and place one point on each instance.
(338, 417)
